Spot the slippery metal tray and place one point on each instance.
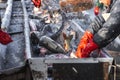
(70, 69)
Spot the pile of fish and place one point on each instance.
(54, 31)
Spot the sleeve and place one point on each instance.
(110, 29)
(96, 24)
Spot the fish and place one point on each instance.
(49, 43)
(67, 40)
(32, 25)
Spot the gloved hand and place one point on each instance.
(91, 46)
(5, 38)
(96, 10)
(83, 42)
(37, 3)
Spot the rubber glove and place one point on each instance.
(5, 38)
(37, 3)
(91, 46)
(83, 42)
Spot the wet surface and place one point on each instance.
(13, 55)
(75, 23)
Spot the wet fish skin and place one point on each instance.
(32, 16)
(67, 40)
(32, 25)
(48, 43)
(51, 44)
(34, 37)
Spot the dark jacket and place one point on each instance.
(106, 31)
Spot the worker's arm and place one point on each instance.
(110, 29)
(103, 32)
(94, 27)
(106, 34)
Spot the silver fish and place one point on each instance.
(51, 45)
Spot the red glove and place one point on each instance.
(83, 42)
(91, 46)
(5, 38)
(37, 3)
(96, 10)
